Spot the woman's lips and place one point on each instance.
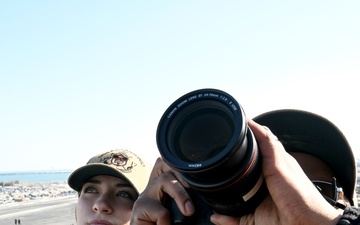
(100, 222)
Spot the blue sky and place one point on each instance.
(82, 77)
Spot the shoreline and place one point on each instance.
(31, 192)
(29, 203)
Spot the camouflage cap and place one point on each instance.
(120, 163)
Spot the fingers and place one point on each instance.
(276, 160)
(267, 141)
(167, 183)
(148, 208)
(161, 167)
(219, 219)
(148, 211)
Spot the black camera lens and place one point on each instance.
(204, 136)
(194, 139)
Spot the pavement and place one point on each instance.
(56, 211)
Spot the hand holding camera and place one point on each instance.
(205, 139)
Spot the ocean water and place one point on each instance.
(34, 177)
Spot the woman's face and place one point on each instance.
(105, 200)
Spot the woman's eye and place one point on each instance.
(89, 190)
(125, 194)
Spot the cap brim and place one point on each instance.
(77, 179)
(306, 132)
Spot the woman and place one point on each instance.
(108, 186)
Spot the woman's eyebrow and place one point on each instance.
(96, 181)
(124, 185)
(93, 181)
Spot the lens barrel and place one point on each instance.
(204, 136)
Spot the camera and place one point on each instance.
(205, 137)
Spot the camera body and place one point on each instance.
(200, 217)
(204, 136)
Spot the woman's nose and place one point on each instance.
(103, 205)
